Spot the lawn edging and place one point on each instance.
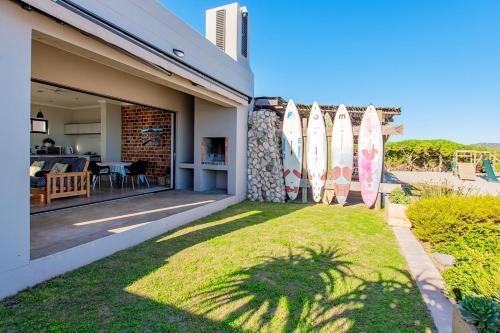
(427, 277)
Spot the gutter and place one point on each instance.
(134, 39)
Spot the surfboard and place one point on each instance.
(342, 154)
(291, 142)
(370, 155)
(328, 193)
(316, 152)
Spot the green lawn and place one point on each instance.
(252, 267)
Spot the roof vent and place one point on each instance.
(220, 29)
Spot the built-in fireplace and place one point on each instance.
(214, 150)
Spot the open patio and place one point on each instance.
(62, 229)
(255, 267)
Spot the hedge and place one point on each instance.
(467, 228)
(429, 155)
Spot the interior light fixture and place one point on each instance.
(178, 53)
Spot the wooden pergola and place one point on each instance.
(386, 114)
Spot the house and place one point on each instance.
(112, 82)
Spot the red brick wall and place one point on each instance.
(134, 119)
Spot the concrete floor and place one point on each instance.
(99, 194)
(55, 231)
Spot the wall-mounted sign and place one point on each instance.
(153, 136)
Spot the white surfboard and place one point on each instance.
(316, 152)
(370, 155)
(292, 150)
(329, 193)
(342, 154)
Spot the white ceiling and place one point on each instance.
(47, 95)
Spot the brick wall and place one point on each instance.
(134, 119)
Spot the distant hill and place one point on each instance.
(489, 145)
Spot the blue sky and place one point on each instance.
(438, 60)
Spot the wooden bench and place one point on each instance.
(355, 187)
(62, 185)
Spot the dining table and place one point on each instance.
(116, 167)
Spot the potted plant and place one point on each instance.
(476, 314)
(48, 142)
(395, 207)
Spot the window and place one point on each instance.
(244, 35)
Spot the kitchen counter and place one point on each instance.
(91, 157)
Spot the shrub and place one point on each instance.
(482, 312)
(444, 188)
(399, 196)
(467, 228)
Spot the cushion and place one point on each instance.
(34, 169)
(59, 168)
(39, 164)
(37, 181)
(77, 165)
(41, 173)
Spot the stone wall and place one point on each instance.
(134, 147)
(265, 166)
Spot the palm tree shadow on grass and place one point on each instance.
(297, 293)
(278, 294)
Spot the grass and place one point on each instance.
(252, 267)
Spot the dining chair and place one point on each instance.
(136, 170)
(99, 171)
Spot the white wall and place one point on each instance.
(111, 132)
(56, 117)
(15, 92)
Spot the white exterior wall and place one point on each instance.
(233, 30)
(15, 90)
(119, 76)
(153, 23)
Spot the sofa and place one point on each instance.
(75, 181)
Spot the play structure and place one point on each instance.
(467, 162)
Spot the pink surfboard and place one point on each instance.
(370, 155)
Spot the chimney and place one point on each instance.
(228, 28)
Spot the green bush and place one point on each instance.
(467, 228)
(399, 196)
(482, 312)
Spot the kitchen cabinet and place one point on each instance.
(82, 129)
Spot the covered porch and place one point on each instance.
(63, 229)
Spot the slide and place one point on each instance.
(490, 173)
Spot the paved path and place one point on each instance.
(427, 277)
(479, 186)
